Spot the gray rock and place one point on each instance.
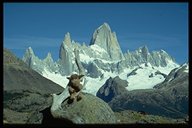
(89, 110)
(14, 117)
(18, 76)
(169, 98)
(104, 38)
(176, 75)
(23, 106)
(142, 55)
(112, 88)
(93, 70)
(160, 73)
(65, 56)
(133, 72)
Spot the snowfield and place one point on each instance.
(145, 78)
(56, 78)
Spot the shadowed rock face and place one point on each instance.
(25, 91)
(89, 110)
(21, 106)
(112, 88)
(17, 76)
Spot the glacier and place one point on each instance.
(101, 59)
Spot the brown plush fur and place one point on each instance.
(75, 86)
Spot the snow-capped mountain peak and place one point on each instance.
(29, 51)
(102, 59)
(67, 39)
(105, 26)
(49, 58)
(106, 39)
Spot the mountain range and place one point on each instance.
(168, 98)
(103, 54)
(101, 59)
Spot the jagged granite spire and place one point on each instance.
(33, 61)
(65, 58)
(106, 39)
(142, 55)
(29, 56)
(29, 52)
(49, 58)
(67, 39)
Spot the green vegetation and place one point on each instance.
(132, 117)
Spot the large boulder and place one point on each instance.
(88, 110)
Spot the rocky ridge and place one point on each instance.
(169, 98)
(102, 55)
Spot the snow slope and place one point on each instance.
(140, 80)
(92, 84)
(55, 77)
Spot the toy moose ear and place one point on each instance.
(80, 76)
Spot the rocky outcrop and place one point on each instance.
(28, 57)
(89, 110)
(24, 106)
(170, 98)
(93, 70)
(155, 58)
(18, 76)
(67, 39)
(112, 88)
(106, 39)
(65, 57)
(176, 76)
(10, 59)
(37, 64)
(20, 106)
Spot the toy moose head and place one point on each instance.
(75, 86)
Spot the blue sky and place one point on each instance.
(43, 26)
